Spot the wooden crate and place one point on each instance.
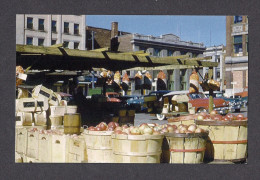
(32, 144)
(20, 140)
(40, 118)
(99, 146)
(59, 148)
(137, 148)
(42, 92)
(28, 159)
(26, 105)
(26, 118)
(77, 149)
(45, 142)
(227, 140)
(130, 113)
(57, 110)
(42, 104)
(186, 148)
(18, 158)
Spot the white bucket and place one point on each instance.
(40, 118)
(71, 109)
(56, 120)
(57, 110)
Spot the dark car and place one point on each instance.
(235, 103)
(136, 102)
(158, 94)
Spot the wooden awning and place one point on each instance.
(57, 57)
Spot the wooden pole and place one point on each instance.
(210, 90)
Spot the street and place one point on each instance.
(147, 118)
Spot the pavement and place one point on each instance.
(147, 118)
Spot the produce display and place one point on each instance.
(214, 116)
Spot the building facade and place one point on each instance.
(165, 45)
(236, 60)
(217, 53)
(47, 30)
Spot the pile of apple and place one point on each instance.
(214, 116)
(104, 126)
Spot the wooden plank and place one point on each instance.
(100, 49)
(218, 133)
(190, 157)
(230, 134)
(176, 143)
(57, 45)
(242, 148)
(96, 55)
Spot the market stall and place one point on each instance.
(58, 135)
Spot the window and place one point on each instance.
(247, 43)
(76, 28)
(238, 44)
(29, 40)
(157, 52)
(237, 19)
(66, 44)
(53, 26)
(76, 45)
(40, 42)
(169, 53)
(53, 41)
(41, 24)
(29, 23)
(66, 27)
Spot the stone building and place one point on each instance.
(236, 53)
(217, 53)
(165, 45)
(47, 30)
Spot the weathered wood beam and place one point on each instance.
(100, 49)
(57, 45)
(102, 56)
(200, 58)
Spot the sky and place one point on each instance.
(209, 30)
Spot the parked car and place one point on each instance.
(158, 94)
(244, 93)
(235, 104)
(199, 101)
(113, 97)
(136, 102)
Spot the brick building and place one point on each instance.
(236, 53)
(100, 37)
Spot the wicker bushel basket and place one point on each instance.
(227, 140)
(186, 148)
(137, 148)
(99, 146)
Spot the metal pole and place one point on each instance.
(93, 38)
(210, 91)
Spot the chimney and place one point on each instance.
(114, 29)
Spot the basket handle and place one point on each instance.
(85, 126)
(43, 138)
(57, 142)
(31, 135)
